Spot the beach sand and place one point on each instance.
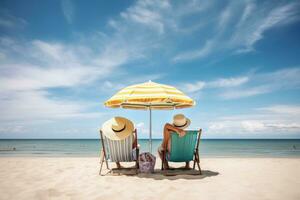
(77, 178)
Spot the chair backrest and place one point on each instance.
(183, 148)
(119, 150)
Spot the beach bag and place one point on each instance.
(146, 162)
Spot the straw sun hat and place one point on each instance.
(117, 128)
(180, 121)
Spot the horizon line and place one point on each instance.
(148, 138)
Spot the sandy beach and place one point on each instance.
(77, 178)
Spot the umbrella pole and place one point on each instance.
(150, 130)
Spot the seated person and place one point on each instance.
(180, 122)
(118, 128)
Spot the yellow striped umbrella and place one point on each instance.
(148, 96)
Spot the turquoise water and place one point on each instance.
(208, 147)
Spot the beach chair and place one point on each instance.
(184, 149)
(119, 150)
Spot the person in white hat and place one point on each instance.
(118, 128)
(180, 122)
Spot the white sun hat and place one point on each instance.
(180, 121)
(117, 128)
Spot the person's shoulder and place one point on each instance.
(168, 124)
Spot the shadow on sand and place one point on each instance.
(167, 174)
(178, 174)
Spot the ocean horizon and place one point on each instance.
(207, 147)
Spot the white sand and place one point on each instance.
(77, 178)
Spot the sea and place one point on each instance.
(207, 148)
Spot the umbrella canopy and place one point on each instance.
(150, 95)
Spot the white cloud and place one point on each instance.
(239, 27)
(247, 86)
(6, 23)
(295, 126)
(2, 56)
(51, 50)
(28, 81)
(236, 29)
(194, 87)
(142, 130)
(153, 20)
(292, 110)
(228, 82)
(9, 21)
(68, 10)
(147, 13)
(275, 119)
(35, 78)
(192, 7)
(218, 83)
(262, 83)
(280, 79)
(242, 93)
(224, 18)
(248, 9)
(251, 28)
(36, 105)
(195, 54)
(12, 129)
(53, 65)
(108, 85)
(116, 85)
(25, 79)
(114, 55)
(253, 125)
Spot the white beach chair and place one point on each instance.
(119, 150)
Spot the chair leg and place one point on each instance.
(200, 172)
(161, 154)
(137, 158)
(101, 161)
(106, 162)
(163, 160)
(198, 164)
(194, 164)
(162, 163)
(103, 149)
(107, 166)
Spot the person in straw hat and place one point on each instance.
(119, 128)
(180, 122)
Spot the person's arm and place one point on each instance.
(170, 127)
(167, 131)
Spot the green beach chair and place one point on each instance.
(184, 149)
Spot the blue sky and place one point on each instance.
(60, 60)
